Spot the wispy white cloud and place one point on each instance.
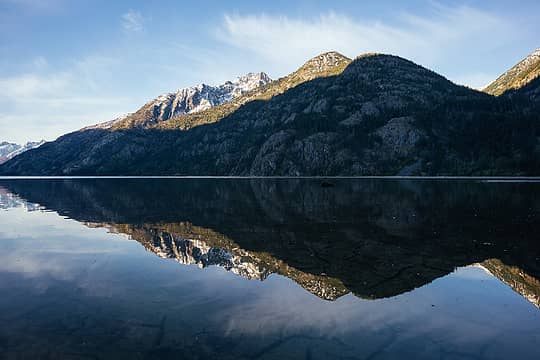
(47, 97)
(436, 40)
(45, 104)
(133, 21)
(27, 86)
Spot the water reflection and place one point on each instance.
(362, 270)
(374, 238)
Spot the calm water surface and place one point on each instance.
(264, 269)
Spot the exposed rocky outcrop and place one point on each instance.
(186, 101)
(399, 136)
(10, 150)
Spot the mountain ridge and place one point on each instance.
(518, 76)
(187, 100)
(323, 65)
(10, 150)
(374, 115)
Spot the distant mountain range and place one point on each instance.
(10, 150)
(374, 115)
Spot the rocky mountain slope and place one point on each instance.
(324, 65)
(10, 150)
(518, 76)
(186, 101)
(375, 115)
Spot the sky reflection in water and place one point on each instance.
(70, 289)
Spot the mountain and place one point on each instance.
(10, 150)
(187, 101)
(518, 76)
(374, 115)
(324, 65)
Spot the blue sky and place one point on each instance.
(66, 64)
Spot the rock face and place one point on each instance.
(10, 150)
(321, 64)
(518, 76)
(399, 136)
(375, 115)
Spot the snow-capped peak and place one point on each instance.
(10, 150)
(189, 100)
(201, 97)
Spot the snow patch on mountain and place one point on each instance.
(107, 124)
(201, 97)
(10, 150)
(190, 100)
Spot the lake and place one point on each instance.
(269, 268)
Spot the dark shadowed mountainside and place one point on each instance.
(376, 115)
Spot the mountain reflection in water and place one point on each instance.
(374, 238)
